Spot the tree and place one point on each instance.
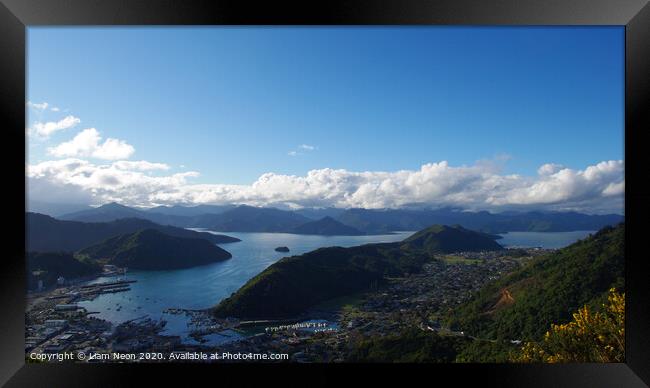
(590, 337)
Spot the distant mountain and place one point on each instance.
(44, 233)
(448, 239)
(550, 222)
(244, 218)
(386, 220)
(256, 219)
(49, 266)
(219, 218)
(150, 249)
(523, 304)
(114, 211)
(54, 209)
(190, 211)
(293, 284)
(327, 226)
(108, 212)
(318, 213)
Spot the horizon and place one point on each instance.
(374, 118)
(415, 209)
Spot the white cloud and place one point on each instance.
(549, 168)
(100, 183)
(597, 188)
(302, 149)
(589, 188)
(42, 106)
(87, 143)
(44, 130)
(37, 106)
(614, 189)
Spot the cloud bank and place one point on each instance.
(596, 189)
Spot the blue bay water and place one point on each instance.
(205, 286)
(550, 240)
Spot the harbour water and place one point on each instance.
(203, 287)
(549, 240)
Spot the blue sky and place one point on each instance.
(234, 103)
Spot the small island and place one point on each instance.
(282, 249)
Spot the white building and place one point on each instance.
(55, 323)
(66, 307)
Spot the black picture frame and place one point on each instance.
(17, 15)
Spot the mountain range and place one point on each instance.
(244, 218)
(326, 226)
(185, 211)
(219, 218)
(386, 220)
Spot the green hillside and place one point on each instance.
(150, 249)
(296, 283)
(412, 346)
(523, 304)
(448, 239)
(47, 234)
(49, 266)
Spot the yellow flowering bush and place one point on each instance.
(590, 337)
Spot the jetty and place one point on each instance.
(107, 284)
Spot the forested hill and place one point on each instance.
(150, 249)
(49, 266)
(327, 226)
(447, 239)
(296, 283)
(47, 234)
(523, 304)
